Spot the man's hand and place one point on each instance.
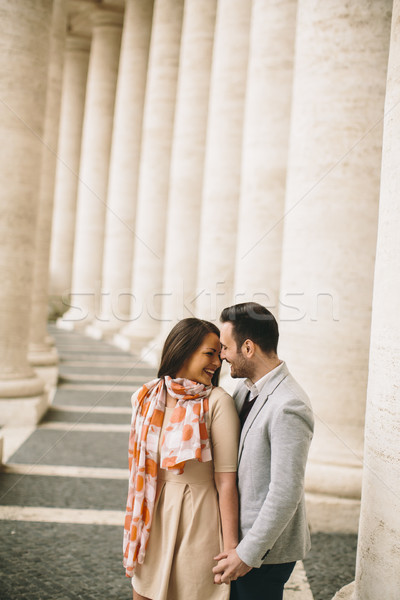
(229, 567)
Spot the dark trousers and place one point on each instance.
(265, 583)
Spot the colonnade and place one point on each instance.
(194, 154)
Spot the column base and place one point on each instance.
(27, 386)
(75, 319)
(57, 307)
(23, 411)
(103, 330)
(346, 593)
(49, 341)
(49, 374)
(44, 360)
(66, 325)
(42, 355)
(331, 514)
(94, 332)
(130, 344)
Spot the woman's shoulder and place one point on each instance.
(219, 392)
(220, 398)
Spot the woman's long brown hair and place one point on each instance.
(182, 341)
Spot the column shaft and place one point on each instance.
(158, 122)
(41, 351)
(223, 158)
(67, 172)
(187, 165)
(24, 46)
(378, 556)
(330, 228)
(265, 152)
(94, 167)
(124, 164)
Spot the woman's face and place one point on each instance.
(203, 363)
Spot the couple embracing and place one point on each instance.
(215, 507)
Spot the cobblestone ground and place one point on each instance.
(86, 427)
(79, 453)
(331, 563)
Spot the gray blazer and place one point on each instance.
(273, 452)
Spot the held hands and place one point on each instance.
(229, 567)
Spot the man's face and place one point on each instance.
(229, 351)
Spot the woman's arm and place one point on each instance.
(228, 507)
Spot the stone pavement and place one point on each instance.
(63, 490)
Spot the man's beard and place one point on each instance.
(241, 368)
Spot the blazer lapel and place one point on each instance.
(267, 390)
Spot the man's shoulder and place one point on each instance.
(291, 390)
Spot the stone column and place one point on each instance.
(265, 152)
(158, 122)
(223, 158)
(378, 556)
(67, 171)
(330, 236)
(42, 354)
(24, 48)
(93, 173)
(124, 165)
(187, 165)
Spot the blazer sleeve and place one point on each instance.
(290, 433)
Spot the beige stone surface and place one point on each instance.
(39, 349)
(331, 217)
(187, 163)
(265, 151)
(94, 166)
(67, 171)
(331, 514)
(346, 593)
(24, 45)
(23, 412)
(219, 210)
(124, 165)
(158, 123)
(378, 556)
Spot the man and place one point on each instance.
(277, 428)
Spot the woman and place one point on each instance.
(182, 507)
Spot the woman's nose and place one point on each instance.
(217, 361)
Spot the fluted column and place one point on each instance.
(67, 170)
(94, 167)
(187, 165)
(42, 353)
(223, 158)
(24, 47)
(158, 122)
(378, 557)
(330, 234)
(265, 151)
(124, 165)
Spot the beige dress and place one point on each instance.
(186, 531)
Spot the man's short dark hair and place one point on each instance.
(252, 321)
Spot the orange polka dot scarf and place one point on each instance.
(185, 438)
